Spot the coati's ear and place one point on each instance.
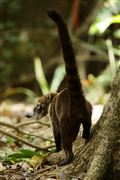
(48, 97)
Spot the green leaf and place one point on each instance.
(10, 140)
(22, 154)
(100, 26)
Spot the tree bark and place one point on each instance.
(108, 134)
(99, 158)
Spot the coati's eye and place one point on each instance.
(38, 108)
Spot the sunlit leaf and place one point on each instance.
(35, 160)
(116, 19)
(58, 77)
(21, 90)
(101, 26)
(40, 76)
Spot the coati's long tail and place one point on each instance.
(74, 84)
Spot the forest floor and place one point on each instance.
(18, 160)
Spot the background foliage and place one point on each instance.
(31, 64)
(26, 36)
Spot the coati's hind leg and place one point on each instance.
(56, 133)
(56, 130)
(86, 128)
(67, 141)
(68, 151)
(55, 125)
(57, 138)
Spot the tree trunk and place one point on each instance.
(99, 158)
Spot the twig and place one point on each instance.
(29, 134)
(89, 47)
(9, 125)
(31, 122)
(83, 29)
(25, 142)
(23, 132)
(40, 172)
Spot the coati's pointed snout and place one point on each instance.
(29, 115)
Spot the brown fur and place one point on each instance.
(69, 108)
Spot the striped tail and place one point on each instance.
(74, 84)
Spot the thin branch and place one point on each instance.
(89, 47)
(9, 125)
(83, 29)
(45, 169)
(34, 135)
(25, 142)
(31, 122)
(23, 132)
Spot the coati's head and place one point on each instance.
(41, 108)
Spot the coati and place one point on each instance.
(69, 108)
